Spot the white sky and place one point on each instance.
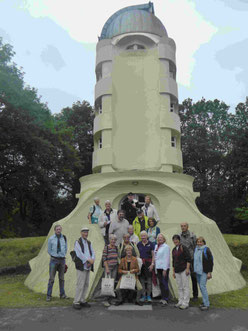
(55, 43)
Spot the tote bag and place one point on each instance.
(107, 288)
(128, 282)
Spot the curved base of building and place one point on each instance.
(174, 199)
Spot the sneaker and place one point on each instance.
(203, 308)
(118, 303)
(148, 298)
(76, 306)
(201, 305)
(138, 303)
(183, 307)
(64, 297)
(177, 305)
(143, 298)
(164, 303)
(106, 304)
(48, 298)
(85, 304)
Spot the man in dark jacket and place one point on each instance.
(130, 208)
(188, 239)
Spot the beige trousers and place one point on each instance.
(83, 278)
(183, 288)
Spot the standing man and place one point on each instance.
(84, 262)
(119, 227)
(95, 212)
(149, 209)
(140, 223)
(133, 238)
(129, 208)
(107, 216)
(188, 239)
(57, 248)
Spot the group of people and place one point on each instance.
(134, 246)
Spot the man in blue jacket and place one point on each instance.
(57, 248)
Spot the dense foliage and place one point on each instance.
(42, 156)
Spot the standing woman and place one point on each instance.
(203, 267)
(181, 271)
(153, 230)
(161, 261)
(110, 261)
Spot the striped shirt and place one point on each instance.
(110, 255)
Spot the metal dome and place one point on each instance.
(138, 18)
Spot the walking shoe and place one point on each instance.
(106, 304)
(118, 303)
(149, 299)
(48, 298)
(85, 304)
(183, 307)
(138, 303)
(201, 305)
(143, 298)
(177, 305)
(164, 303)
(76, 306)
(203, 308)
(195, 299)
(64, 297)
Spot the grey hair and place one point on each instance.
(56, 226)
(143, 232)
(96, 199)
(130, 227)
(112, 236)
(108, 201)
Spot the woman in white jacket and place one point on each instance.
(161, 261)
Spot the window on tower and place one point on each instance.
(172, 107)
(100, 142)
(173, 141)
(136, 47)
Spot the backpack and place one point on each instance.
(206, 255)
(65, 238)
(94, 208)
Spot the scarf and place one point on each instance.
(198, 268)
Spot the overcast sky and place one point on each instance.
(55, 42)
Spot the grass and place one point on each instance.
(18, 251)
(15, 252)
(14, 294)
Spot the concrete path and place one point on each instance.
(100, 318)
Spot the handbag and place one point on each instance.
(107, 288)
(156, 290)
(139, 260)
(128, 282)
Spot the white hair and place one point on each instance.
(143, 233)
(108, 201)
(112, 236)
(130, 227)
(96, 199)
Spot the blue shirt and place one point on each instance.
(52, 246)
(86, 255)
(146, 250)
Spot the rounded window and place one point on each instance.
(135, 47)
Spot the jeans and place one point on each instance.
(202, 281)
(56, 265)
(163, 284)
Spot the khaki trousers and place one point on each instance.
(83, 278)
(183, 288)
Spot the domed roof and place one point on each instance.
(138, 18)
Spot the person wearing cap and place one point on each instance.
(119, 227)
(95, 211)
(130, 208)
(140, 223)
(57, 248)
(149, 209)
(85, 261)
(106, 217)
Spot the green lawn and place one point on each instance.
(18, 251)
(15, 252)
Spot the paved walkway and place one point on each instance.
(99, 318)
